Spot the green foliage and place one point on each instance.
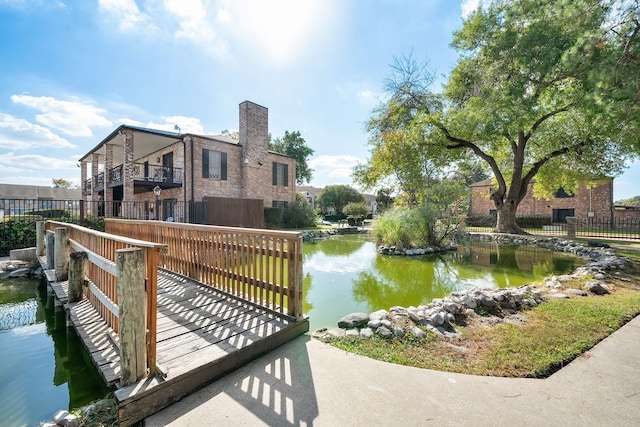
(632, 201)
(61, 183)
(299, 214)
(51, 213)
(16, 234)
(356, 210)
(338, 196)
(94, 222)
(417, 228)
(273, 217)
(294, 145)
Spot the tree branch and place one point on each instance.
(537, 165)
(463, 143)
(542, 119)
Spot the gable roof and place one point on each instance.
(38, 192)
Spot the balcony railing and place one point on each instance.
(147, 173)
(99, 186)
(86, 186)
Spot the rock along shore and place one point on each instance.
(441, 314)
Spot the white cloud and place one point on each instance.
(186, 124)
(35, 162)
(331, 170)
(469, 6)
(192, 17)
(20, 134)
(74, 118)
(127, 15)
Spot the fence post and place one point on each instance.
(50, 247)
(77, 268)
(40, 238)
(571, 226)
(61, 249)
(132, 314)
(82, 213)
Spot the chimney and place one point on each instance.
(254, 131)
(254, 139)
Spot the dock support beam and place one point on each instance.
(132, 315)
(77, 269)
(61, 263)
(50, 250)
(40, 238)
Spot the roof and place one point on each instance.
(483, 183)
(38, 192)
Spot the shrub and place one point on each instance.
(419, 227)
(299, 214)
(273, 216)
(94, 222)
(16, 234)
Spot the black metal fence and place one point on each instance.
(618, 228)
(18, 218)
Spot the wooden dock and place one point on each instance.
(202, 334)
(165, 309)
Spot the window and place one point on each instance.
(280, 174)
(561, 194)
(560, 215)
(280, 204)
(493, 212)
(214, 164)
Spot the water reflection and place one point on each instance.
(345, 274)
(44, 366)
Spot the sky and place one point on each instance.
(73, 71)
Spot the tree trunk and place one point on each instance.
(506, 222)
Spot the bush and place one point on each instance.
(419, 227)
(94, 222)
(16, 234)
(52, 213)
(273, 217)
(299, 214)
(335, 218)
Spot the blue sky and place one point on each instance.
(72, 71)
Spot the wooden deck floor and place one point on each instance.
(203, 333)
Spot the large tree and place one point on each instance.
(293, 144)
(528, 97)
(338, 196)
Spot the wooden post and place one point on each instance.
(40, 238)
(77, 268)
(61, 260)
(50, 250)
(132, 306)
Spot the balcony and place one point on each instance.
(146, 176)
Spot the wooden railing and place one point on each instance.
(101, 274)
(261, 266)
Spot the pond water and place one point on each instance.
(43, 366)
(345, 274)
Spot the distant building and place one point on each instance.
(596, 202)
(17, 199)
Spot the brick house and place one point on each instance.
(596, 202)
(132, 161)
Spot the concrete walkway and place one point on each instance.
(307, 382)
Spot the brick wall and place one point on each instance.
(598, 200)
